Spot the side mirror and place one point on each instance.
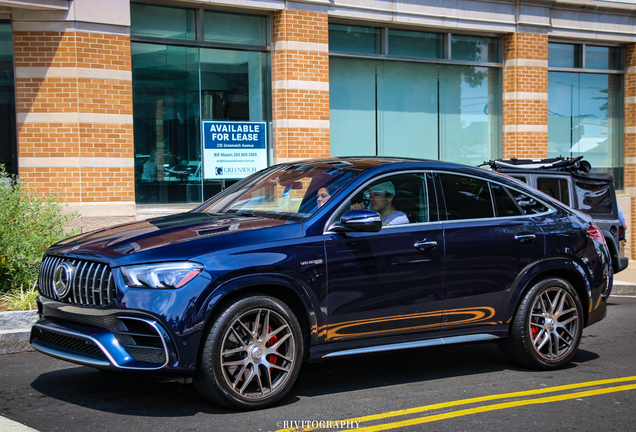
(361, 220)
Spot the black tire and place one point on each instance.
(251, 355)
(547, 328)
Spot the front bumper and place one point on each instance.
(106, 339)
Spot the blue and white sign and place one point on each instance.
(233, 150)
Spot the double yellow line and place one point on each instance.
(607, 388)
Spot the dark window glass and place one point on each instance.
(594, 196)
(563, 55)
(556, 188)
(354, 39)
(521, 178)
(234, 28)
(528, 204)
(407, 43)
(474, 48)
(504, 203)
(8, 141)
(598, 57)
(466, 197)
(161, 22)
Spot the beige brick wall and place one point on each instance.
(74, 109)
(629, 140)
(525, 88)
(300, 105)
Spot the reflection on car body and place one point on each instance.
(237, 293)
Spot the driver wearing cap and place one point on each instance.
(381, 200)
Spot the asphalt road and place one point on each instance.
(451, 388)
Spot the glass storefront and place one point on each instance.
(182, 77)
(585, 105)
(431, 106)
(8, 140)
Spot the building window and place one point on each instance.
(585, 105)
(8, 140)
(184, 76)
(416, 94)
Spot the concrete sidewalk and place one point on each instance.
(625, 281)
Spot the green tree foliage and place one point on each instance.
(29, 223)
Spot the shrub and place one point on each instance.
(29, 223)
(19, 299)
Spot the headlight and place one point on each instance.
(161, 275)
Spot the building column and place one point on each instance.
(73, 86)
(300, 84)
(629, 142)
(525, 96)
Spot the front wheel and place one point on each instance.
(548, 326)
(252, 354)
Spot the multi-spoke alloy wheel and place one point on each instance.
(554, 325)
(252, 354)
(257, 353)
(546, 331)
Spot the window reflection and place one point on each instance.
(8, 140)
(582, 118)
(176, 87)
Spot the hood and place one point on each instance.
(179, 236)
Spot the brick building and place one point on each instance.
(112, 101)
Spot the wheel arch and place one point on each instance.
(567, 270)
(280, 287)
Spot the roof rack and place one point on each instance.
(557, 164)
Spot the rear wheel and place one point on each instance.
(252, 354)
(547, 329)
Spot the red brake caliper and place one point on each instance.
(272, 358)
(535, 331)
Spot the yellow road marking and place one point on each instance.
(494, 407)
(425, 408)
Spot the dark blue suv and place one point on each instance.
(326, 258)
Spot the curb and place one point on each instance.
(15, 328)
(622, 288)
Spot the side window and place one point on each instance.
(528, 204)
(520, 178)
(505, 205)
(594, 196)
(466, 197)
(399, 199)
(555, 187)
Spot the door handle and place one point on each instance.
(425, 245)
(525, 238)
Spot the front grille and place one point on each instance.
(67, 342)
(91, 282)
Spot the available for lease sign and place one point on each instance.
(233, 150)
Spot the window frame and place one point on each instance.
(442, 199)
(447, 50)
(430, 195)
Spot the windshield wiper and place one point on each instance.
(240, 213)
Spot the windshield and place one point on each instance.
(290, 192)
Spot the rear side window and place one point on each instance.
(466, 197)
(505, 205)
(528, 204)
(555, 187)
(594, 196)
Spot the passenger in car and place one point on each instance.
(323, 196)
(381, 200)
